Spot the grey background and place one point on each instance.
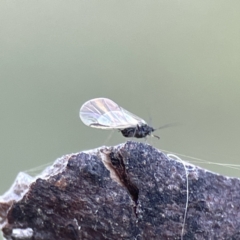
(169, 61)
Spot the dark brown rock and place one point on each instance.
(131, 191)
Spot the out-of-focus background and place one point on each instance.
(165, 61)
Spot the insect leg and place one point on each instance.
(135, 130)
(109, 137)
(156, 136)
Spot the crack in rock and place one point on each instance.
(114, 162)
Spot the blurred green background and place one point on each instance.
(169, 61)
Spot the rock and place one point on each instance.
(130, 191)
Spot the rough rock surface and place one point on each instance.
(130, 191)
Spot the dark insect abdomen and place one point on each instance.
(138, 131)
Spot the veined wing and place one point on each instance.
(106, 114)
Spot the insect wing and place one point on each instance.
(106, 114)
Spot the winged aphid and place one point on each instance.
(105, 114)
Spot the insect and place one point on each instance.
(105, 114)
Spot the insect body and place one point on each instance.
(140, 131)
(106, 114)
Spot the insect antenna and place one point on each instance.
(166, 126)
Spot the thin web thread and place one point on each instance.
(187, 190)
(199, 160)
